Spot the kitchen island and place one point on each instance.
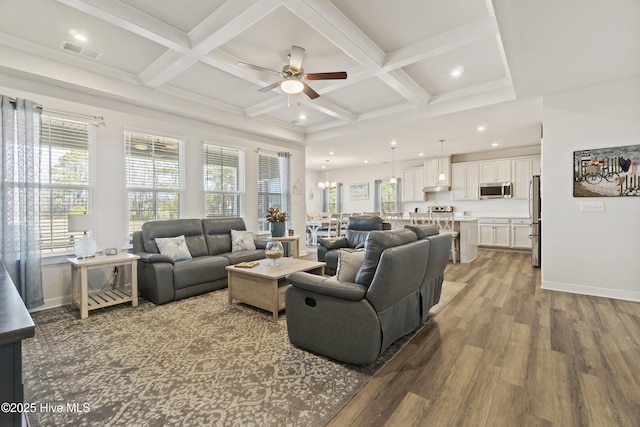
(468, 229)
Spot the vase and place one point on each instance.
(274, 251)
(277, 229)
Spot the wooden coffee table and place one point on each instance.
(264, 286)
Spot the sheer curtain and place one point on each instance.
(284, 164)
(20, 196)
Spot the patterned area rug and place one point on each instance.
(195, 362)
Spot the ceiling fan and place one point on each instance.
(293, 76)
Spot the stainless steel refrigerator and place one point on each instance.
(535, 213)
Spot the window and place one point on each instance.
(332, 199)
(223, 181)
(67, 166)
(153, 168)
(269, 188)
(388, 197)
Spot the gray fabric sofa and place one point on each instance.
(400, 279)
(358, 227)
(161, 279)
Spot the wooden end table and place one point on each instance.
(294, 243)
(264, 286)
(80, 296)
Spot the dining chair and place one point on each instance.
(418, 218)
(333, 227)
(394, 218)
(445, 223)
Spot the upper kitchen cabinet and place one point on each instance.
(495, 171)
(435, 168)
(464, 181)
(523, 170)
(412, 184)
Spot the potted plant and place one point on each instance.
(277, 218)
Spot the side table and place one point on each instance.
(294, 242)
(80, 288)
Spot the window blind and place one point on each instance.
(223, 181)
(67, 176)
(154, 177)
(269, 186)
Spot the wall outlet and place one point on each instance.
(594, 206)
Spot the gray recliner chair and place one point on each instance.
(358, 228)
(356, 322)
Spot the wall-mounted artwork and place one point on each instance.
(606, 172)
(359, 191)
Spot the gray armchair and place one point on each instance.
(356, 322)
(358, 227)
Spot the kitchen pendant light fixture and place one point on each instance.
(393, 179)
(441, 176)
(327, 183)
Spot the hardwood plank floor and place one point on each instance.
(507, 353)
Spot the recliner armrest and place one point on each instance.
(260, 243)
(151, 258)
(329, 286)
(333, 242)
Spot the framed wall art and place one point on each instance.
(606, 172)
(359, 191)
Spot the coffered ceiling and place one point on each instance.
(182, 57)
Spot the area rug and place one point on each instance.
(194, 362)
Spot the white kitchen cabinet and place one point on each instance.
(433, 168)
(464, 181)
(412, 184)
(521, 233)
(495, 171)
(494, 232)
(523, 170)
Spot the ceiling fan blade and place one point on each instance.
(336, 75)
(295, 58)
(309, 92)
(271, 86)
(255, 67)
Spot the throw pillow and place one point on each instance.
(175, 247)
(349, 261)
(242, 241)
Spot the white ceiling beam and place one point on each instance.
(444, 42)
(400, 81)
(329, 108)
(134, 21)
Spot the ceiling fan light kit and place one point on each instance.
(293, 75)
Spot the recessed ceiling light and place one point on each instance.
(495, 144)
(302, 116)
(331, 152)
(481, 128)
(80, 37)
(420, 154)
(393, 143)
(366, 161)
(457, 72)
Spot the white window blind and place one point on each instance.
(153, 168)
(67, 176)
(269, 187)
(223, 181)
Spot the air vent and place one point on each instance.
(79, 50)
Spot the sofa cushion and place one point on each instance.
(191, 229)
(349, 262)
(423, 230)
(199, 270)
(175, 247)
(217, 232)
(376, 243)
(242, 256)
(242, 241)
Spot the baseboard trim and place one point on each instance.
(590, 290)
(52, 303)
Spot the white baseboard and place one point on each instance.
(52, 303)
(589, 290)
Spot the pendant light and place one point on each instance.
(441, 176)
(393, 179)
(326, 184)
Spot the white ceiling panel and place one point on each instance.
(398, 56)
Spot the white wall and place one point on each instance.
(594, 253)
(110, 200)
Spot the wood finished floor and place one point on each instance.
(507, 353)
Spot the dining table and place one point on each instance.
(312, 227)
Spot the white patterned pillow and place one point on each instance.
(175, 247)
(242, 241)
(349, 262)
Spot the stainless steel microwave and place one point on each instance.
(496, 190)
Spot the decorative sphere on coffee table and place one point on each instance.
(273, 251)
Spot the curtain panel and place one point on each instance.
(20, 126)
(284, 164)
